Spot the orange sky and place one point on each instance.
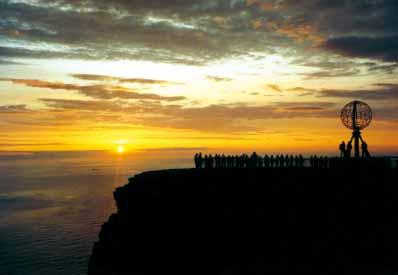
(246, 76)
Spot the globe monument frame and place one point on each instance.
(356, 115)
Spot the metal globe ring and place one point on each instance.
(356, 115)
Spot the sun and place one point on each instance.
(120, 149)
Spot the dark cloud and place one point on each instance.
(305, 105)
(9, 62)
(346, 16)
(142, 81)
(21, 108)
(324, 35)
(383, 91)
(350, 72)
(353, 28)
(20, 52)
(137, 30)
(217, 118)
(305, 109)
(342, 66)
(386, 68)
(383, 48)
(95, 91)
(197, 32)
(210, 112)
(301, 89)
(83, 105)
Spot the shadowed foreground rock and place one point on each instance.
(243, 221)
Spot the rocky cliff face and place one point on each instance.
(243, 221)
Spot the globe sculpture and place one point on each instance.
(356, 116)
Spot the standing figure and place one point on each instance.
(260, 162)
(200, 160)
(296, 161)
(253, 160)
(300, 161)
(277, 161)
(211, 161)
(266, 161)
(196, 160)
(365, 152)
(315, 162)
(281, 161)
(348, 150)
(342, 149)
(327, 164)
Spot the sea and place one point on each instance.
(52, 204)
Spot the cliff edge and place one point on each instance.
(252, 221)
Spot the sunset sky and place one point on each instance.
(234, 75)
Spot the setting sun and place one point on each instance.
(120, 149)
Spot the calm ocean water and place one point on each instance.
(52, 205)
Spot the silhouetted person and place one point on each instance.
(315, 161)
(196, 160)
(321, 162)
(211, 160)
(301, 161)
(365, 152)
(281, 161)
(229, 161)
(266, 161)
(278, 161)
(237, 162)
(296, 161)
(260, 163)
(200, 160)
(342, 149)
(223, 161)
(348, 150)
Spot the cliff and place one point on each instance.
(252, 221)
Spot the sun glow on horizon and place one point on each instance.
(120, 149)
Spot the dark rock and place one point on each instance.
(252, 221)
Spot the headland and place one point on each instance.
(336, 220)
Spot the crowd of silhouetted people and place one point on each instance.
(346, 150)
(258, 161)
